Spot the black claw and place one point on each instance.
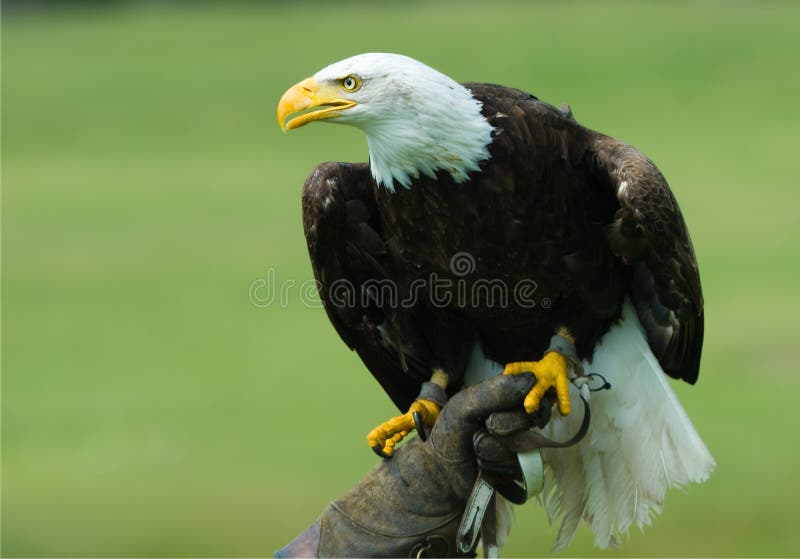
(379, 451)
(419, 425)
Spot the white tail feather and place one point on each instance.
(504, 513)
(640, 443)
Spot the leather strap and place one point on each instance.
(433, 392)
(489, 531)
(481, 498)
(529, 439)
(532, 467)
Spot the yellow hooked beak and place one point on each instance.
(322, 101)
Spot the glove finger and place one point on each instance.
(507, 422)
(510, 421)
(494, 456)
(500, 392)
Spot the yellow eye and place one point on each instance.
(351, 83)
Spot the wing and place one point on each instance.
(650, 235)
(349, 256)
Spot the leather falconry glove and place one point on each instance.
(411, 505)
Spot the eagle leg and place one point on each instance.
(422, 414)
(552, 371)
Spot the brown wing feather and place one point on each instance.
(347, 249)
(650, 235)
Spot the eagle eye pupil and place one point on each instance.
(350, 83)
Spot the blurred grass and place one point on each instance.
(149, 409)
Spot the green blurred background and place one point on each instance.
(149, 408)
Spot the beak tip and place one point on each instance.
(297, 98)
(282, 121)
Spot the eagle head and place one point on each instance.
(417, 120)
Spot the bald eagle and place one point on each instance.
(486, 225)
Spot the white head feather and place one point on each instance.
(417, 120)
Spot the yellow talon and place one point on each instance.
(387, 435)
(551, 372)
